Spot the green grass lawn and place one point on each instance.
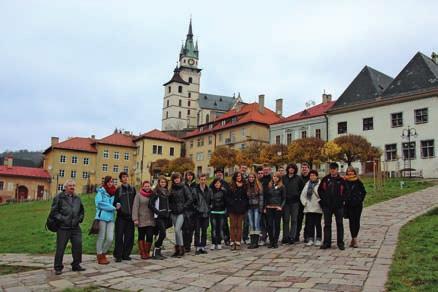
(22, 225)
(415, 265)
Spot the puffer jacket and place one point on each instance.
(331, 190)
(275, 196)
(294, 185)
(237, 201)
(255, 198)
(159, 203)
(217, 202)
(104, 205)
(180, 199)
(190, 210)
(312, 205)
(355, 193)
(68, 211)
(201, 199)
(125, 195)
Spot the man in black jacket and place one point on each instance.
(68, 211)
(201, 198)
(332, 193)
(124, 227)
(294, 185)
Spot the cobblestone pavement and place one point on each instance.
(288, 268)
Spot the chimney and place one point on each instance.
(435, 57)
(93, 137)
(326, 98)
(279, 106)
(9, 161)
(261, 103)
(54, 140)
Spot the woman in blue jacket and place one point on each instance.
(105, 214)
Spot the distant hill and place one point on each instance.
(24, 158)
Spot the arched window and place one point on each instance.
(167, 115)
(169, 89)
(180, 89)
(207, 118)
(167, 103)
(188, 103)
(179, 114)
(179, 102)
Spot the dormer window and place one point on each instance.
(223, 123)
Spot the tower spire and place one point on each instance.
(190, 33)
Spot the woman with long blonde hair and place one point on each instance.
(255, 202)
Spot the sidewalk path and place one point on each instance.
(288, 268)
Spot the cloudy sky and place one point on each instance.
(83, 67)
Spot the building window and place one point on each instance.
(1, 185)
(116, 155)
(104, 167)
(85, 175)
(190, 79)
(242, 146)
(243, 132)
(179, 89)
(278, 140)
(86, 161)
(167, 103)
(105, 153)
(427, 149)
(60, 187)
(368, 124)
(207, 118)
(188, 112)
(199, 142)
(189, 103)
(391, 152)
(169, 89)
(220, 137)
(289, 138)
(126, 169)
(126, 156)
(199, 156)
(397, 120)
(408, 151)
(210, 140)
(172, 151)
(191, 156)
(74, 159)
(209, 154)
(62, 159)
(179, 114)
(157, 149)
(179, 102)
(318, 134)
(223, 122)
(421, 116)
(61, 173)
(116, 168)
(303, 134)
(190, 94)
(191, 143)
(115, 181)
(167, 115)
(73, 174)
(342, 127)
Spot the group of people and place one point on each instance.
(250, 208)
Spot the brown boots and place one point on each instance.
(354, 243)
(102, 260)
(144, 249)
(179, 251)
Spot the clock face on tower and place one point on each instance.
(191, 61)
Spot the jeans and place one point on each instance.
(201, 231)
(160, 226)
(328, 213)
(188, 229)
(105, 237)
(217, 227)
(62, 238)
(178, 221)
(300, 218)
(263, 227)
(290, 216)
(273, 218)
(354, 214)
(313, 221)
(236, 222)
(125, 230)
(146, 232)
(254, 220)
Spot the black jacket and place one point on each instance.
(180, 199)
(201, 199)
(355, 193)
(294, 185)
(67, 211)
(305, 178)
(332, 192)
(275, 196)
(217, 202)
(224, 185)
(255, 198)
(162, 195)
(192, 187)
(125, 195)
(236, 201)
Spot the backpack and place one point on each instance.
(51, 222)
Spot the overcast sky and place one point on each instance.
(77, 68)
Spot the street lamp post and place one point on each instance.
(408, 134)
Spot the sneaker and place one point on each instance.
(317, 242)
(213, 247)
(218, 246)
(309, 243)
(58, 272)
(262, 243)
(324, 246)
(203, 250)
(198, 251)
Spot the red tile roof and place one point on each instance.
(76, 143)
(247, 113)
(312, 112)
(159, 135)
(118, 139)
(24, 172)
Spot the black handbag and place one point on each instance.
(95, 226)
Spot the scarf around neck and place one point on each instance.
(351, 177)
(110, 190)
(145, 193)
(310, 188)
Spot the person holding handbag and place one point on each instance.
(105, 215)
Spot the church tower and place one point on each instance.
(181, 92)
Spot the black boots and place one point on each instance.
(254, 241)
(156, 255)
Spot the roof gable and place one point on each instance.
(368, 84)
(176, 78)
(311, 112)
(24, 172)
(420, 73)
(76, 144)
(158, 135)
(118, 139)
